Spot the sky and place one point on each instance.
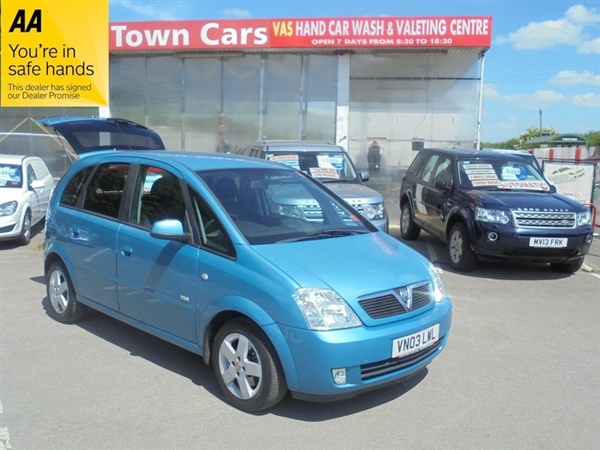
(543, 66)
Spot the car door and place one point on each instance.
(91, 233)
(36, 194)
(157, 279)
(422, 183)
(43, 189)
(435, 196)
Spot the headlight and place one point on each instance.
(324, 309)
(289, 211)
(374, 211)
(439, 290)
(584, 219)
(8, 208)
(492, 215)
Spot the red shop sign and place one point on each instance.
(379, 32)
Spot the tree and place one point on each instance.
(593, 138)
(532, 133)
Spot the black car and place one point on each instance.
(491, 205)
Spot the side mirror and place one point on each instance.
(169, 229)
(364, 176)
(37, 184)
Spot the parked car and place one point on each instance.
(330, 164)
(491, 205)
(25, 189)
(88, 134)
(325, 308)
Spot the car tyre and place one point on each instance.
(25, 236)
(246, 367)
(569, 267)
(63, 304)
(462, 258)
(409, 230)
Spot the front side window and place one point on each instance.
(157, 195)
(442, 177)
(40, 169)
(271, 206)
(427, 171)
(30, 174)
(105, 190)
(212, 234)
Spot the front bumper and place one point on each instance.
(10, 227)
(497, 242)
(365, 353)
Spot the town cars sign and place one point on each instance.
(379, 32)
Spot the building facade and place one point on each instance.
(369, 84)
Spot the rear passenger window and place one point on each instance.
(73, 189)
(105, 190)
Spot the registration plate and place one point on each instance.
(548, 242)
(418, 341)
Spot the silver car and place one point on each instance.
(331, 165)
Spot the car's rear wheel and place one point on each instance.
(570, 267)
(409, 230)
(63, 305)
(25, 236)
(462, 257)
(246, 367)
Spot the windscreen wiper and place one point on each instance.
(334, 232)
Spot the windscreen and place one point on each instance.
(323, 166)
(11, 175)
(500, 174)
(270, 206)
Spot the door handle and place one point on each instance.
(127, 250)
(74, 232)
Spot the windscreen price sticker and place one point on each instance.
(54, 53)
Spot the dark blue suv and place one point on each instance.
(492, 205)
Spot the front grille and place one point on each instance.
(359, 207)
(312, 212)
(397, 301)
(368, 371)
(540, 219)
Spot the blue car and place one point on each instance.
(207, 251)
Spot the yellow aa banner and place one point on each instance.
(54, 53)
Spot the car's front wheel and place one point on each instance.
(25, 236)
(409, 230)
(462, 258)
(64, 307)
(246, 367)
